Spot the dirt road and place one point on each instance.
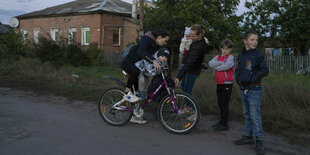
(31, 124)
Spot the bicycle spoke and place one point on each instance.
(110, 114)
(181, 122)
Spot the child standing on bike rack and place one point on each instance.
(223, 65)
(147, 70)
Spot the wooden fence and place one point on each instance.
(112, 58)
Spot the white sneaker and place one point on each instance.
(138, 111)
(138, 120)
(130, 97)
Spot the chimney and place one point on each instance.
(134, 9)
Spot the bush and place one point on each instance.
(12, 45)
(59, 53)
(94, 53)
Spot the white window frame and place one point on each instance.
(119, 36)
(83, 36)
(24, 35)
(55, 37)
(71, 37)
(36, 33)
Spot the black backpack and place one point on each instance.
(126, 51)
(155, 83)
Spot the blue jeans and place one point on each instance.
(187, 85)
(188, 82)
(251, 100)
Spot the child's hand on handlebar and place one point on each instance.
(156, 65)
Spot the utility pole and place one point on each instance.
(134, 9)
(141, 33)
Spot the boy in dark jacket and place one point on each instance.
(251, 69)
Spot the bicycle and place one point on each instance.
(178, 112)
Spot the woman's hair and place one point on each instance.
(162, 33)
(247, 34)
(198, 29)
(226, 42)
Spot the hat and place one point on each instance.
(163, 52)
(187, 30)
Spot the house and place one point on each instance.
(107, 22)
(274, 47)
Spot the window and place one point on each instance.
(54, 34)
(85, 35)
(116, 36)
(24, 35)
(71, 35)
(36, 32)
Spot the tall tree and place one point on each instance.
(218, 17)
(286, 20)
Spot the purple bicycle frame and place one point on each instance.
(150, 96)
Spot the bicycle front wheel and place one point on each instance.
(114, 115)
(187, 117)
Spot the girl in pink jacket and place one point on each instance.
(223, 75)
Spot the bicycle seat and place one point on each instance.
(125, 73)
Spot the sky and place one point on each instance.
(11, 8)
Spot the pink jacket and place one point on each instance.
(224, 73)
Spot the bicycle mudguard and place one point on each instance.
(119, 82)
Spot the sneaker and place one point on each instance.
(192, 117)
(221, 127)
(138, 120)
(244, 140)
(130, 97)
(259, 147)
(216, 125)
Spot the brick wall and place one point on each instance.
(131, 31)
(99, 24)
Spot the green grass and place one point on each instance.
(98, 71)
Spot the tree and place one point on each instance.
(12, 45)
(286, 20)
(218, 17)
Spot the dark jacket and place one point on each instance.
(143, 50)
(194, 59)
(252, 67)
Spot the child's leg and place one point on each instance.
(219, 94)
(142, 85)
(141, 82)
(226, 97)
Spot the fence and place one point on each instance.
(294, 64)
(112, 58)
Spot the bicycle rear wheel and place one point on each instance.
(188, 113)
(114, 115)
